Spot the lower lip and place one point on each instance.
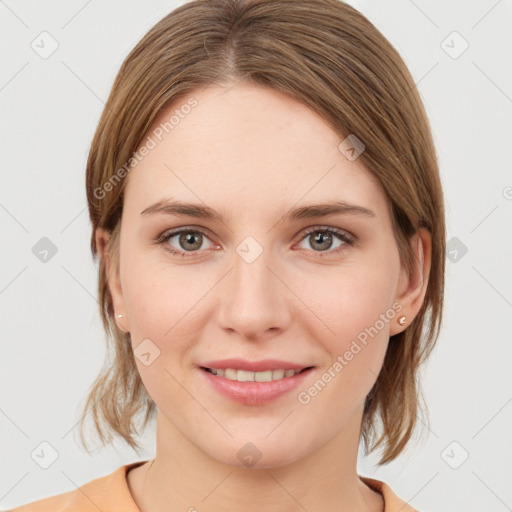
(255, 393)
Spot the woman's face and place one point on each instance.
(261, 284)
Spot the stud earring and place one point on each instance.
(402, 320)
(119, 316)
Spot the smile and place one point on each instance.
(248, 376)
(254, 388)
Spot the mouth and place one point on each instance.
(255, 388)
(250, 376)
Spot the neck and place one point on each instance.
(182, 477)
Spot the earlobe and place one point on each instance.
(112, 275)
(412, 287)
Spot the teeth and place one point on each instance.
(263, 376)
(247, 376)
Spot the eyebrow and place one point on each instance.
(179, 208)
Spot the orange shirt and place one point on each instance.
(111, 494)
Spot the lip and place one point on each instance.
(254, 366)
(254, 393)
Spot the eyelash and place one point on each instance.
(341, 235)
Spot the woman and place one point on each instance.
(268, 217)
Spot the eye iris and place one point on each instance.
(186, 238)
(321, 237)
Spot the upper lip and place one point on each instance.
(254, 366)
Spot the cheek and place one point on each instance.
(358, 310)
(355, 353)
(351, 300)
(166, 305)
(161, 299)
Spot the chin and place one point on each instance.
(257, 454)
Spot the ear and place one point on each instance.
(114, 282)
(412, 288)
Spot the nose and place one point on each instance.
(255, 301)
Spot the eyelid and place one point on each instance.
(325, 228)
(169, 233)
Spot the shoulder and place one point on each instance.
(108, 493)
(392, 503)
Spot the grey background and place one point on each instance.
(52, 340)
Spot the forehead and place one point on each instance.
(247, 147)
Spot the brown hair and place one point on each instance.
(327, 55)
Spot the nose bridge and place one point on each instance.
(253, 300)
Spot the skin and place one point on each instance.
(252, 154)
